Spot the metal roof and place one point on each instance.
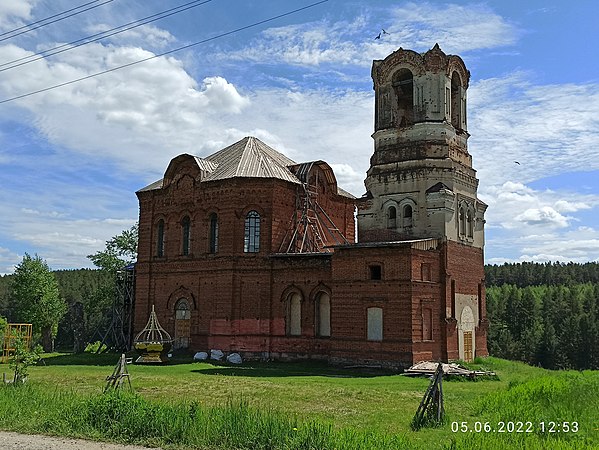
(250, 158)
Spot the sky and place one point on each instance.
(71, 158)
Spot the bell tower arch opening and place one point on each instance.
(456, 101)
(421, 152)
(403, 87)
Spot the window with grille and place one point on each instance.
(213, 233)
(186, 235)
(251, 243)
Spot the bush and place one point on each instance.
(22, 358)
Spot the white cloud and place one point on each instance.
(13, 12)
(548, 129)
(416, 26)
(152, 110)
(544, 216)
(513, 205)
(569, 206)
(144, 35)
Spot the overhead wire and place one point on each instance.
(101, 35)
(48, 18)
(203, 41)
(52, 21)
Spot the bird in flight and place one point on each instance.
(517, 162)
(381, 33)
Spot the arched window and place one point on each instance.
(407, 216)
(375, 324)
(403, 86)
(456, 101)
(470, 224)
(160, 239)
(293, 316)
(185, 235)
(323, 315)
(462, 220)
(213, 233)
(391, 217)
(182, 323)
(251, 242)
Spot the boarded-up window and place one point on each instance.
(323, 315)
(427, 324)
(425, 272)
(294, 315)
(375, 324)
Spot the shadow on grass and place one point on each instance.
(291, 369)
(102, 359)
(253, 369)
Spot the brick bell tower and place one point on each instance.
(421, 183)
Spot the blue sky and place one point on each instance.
(72, 158)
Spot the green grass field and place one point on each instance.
(303, 405)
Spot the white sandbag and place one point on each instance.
(217, 355)
(234, 358)
(200, 356)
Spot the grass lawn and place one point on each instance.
(380, 402)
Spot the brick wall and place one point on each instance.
(238, 300)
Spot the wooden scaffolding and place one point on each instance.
(119, 335)
(311, 229)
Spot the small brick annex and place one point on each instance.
(216, 261)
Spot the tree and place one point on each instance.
(3, 324)
(121, 250)
(36, 299)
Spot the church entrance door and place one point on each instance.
(182, 324)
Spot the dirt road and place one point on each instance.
(16, 441)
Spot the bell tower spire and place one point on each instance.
(421, 183)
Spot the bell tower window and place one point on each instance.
(456, 101)
(469, 224)
(407, 216)
(462, 221)
(391, 217)
(403, 86)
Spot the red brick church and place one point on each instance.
(248, 251)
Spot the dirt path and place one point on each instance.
(16, 441)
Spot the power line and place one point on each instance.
(52, 21)
(47, 18)
(203, 41)
(102, 35)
